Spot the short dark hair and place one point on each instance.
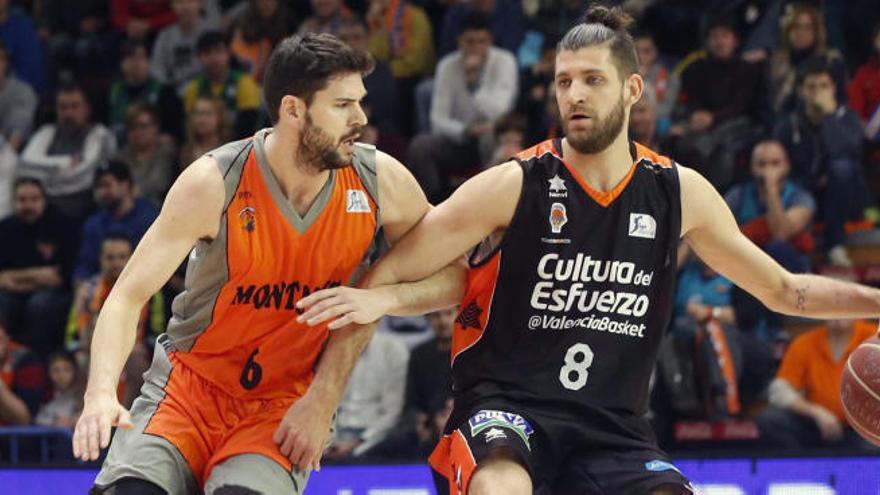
(302, 65)
(30, 181)
(63, 355)
(475, 21)
(209, 40)
(604, 25)
(117, 235)
(813, 67)
(131, 46)
(722, 20)
(117, 169)
(71, 87)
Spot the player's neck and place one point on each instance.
(604, 170)
(300, 183)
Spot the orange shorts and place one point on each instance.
(207, 425)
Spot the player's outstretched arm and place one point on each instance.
(425, 269)
(191, 212)
(711, 230)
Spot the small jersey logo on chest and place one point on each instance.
(642, 225)
(356, 201)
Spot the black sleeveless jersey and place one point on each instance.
(572, 305)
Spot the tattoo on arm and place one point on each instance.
(802, 298)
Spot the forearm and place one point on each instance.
(777, 222)
(114, 336)
(13, 410)
(344, 347)
(820, 297)
(442, 289)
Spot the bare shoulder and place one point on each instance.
(494, 193)
(701, 203)
(196, 199)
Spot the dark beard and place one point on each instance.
(316, 147)
(603, 135)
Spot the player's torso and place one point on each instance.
(573, 305)
(236, 322)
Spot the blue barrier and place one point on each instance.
(807, 476)
(45, 435)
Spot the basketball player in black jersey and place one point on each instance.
(570, 289)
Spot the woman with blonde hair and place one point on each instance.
(207, 127)
(804, 37)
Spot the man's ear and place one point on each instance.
(635, 85)
(292, 109)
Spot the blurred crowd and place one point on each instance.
(777, 103)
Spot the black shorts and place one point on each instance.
(564, 454)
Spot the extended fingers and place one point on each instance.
(315, 297)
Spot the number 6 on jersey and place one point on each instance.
(576, 367)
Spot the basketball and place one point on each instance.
(860, 390)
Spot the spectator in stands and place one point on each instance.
(373, 400)
(663, 81)
(65, 155)
(174, 58)
(35, 261)
(207, 127)
(774, 211)
(257, 30)
(382, 95)
(510, 138)
(18, 102)
(428, 379)
(137, 86)
(505, 18)
(804, 38)
(76, 36)
(151, 159)
(238, 90)
(823, 138)
(702, 294)
(805, 409)
(120, 212)
(864, 91)
(473, 88)
(643, 119)
(401, 36)
(116, 249)
(720, 95)
(327, 16)
(19, 36)
(64, 408)
(22, 382)
(141, 19)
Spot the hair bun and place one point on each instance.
(613, 18)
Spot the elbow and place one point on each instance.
(778, 298)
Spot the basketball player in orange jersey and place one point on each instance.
(570, 290)
(240, 396)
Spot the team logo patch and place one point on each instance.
(495, 434)
(356, 201)
(558, 217)
(659, 466)
(557, 187)
(248, 218)
(470, 316)
(495, 420)
(642, 225)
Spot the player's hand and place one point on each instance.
(92, 432)
(303, 432)
(344, 306)
(829, 426)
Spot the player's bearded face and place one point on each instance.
(319, 148)
(597, 133)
